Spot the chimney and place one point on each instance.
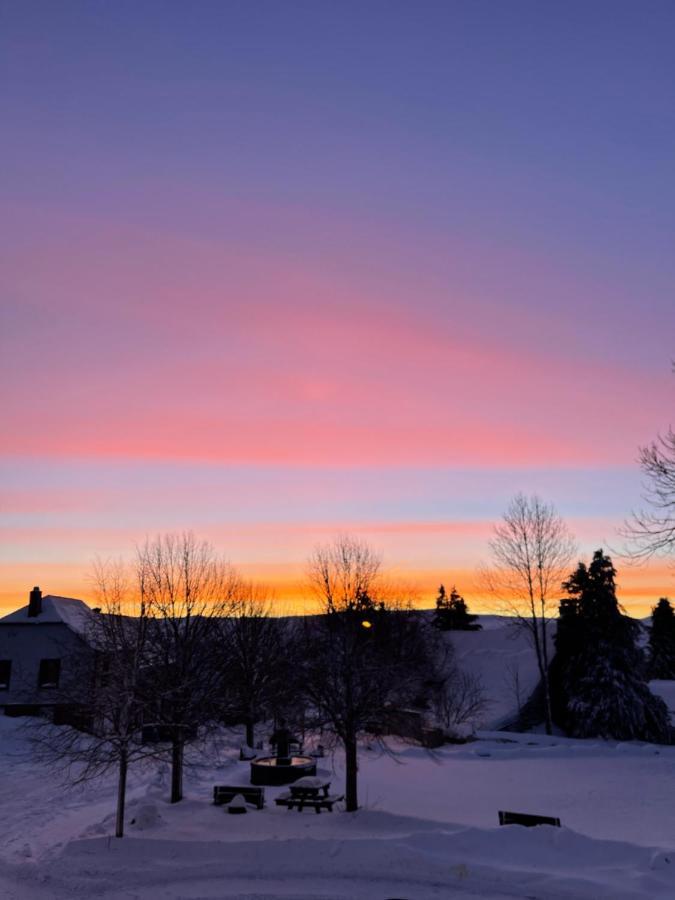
(35, 602)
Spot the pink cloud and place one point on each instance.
(157, 346)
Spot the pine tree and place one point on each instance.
(599, 671)
(662, 641)
(440, 613)
(452, 613)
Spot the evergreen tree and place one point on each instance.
(599, 671)
(452, 613)
(662, 641)
(441, 609)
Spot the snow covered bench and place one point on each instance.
(223, 793)
(513, 818)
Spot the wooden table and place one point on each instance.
(311, 792)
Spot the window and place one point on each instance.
(50, 669)
(5, 673)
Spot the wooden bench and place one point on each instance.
(223, 793)
(529, 821)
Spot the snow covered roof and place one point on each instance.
(66, 610)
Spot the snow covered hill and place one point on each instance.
(502, 658)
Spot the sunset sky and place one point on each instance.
(271, 271)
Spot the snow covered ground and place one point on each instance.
(428, 828)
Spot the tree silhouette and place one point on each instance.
(599, 670)
(451, 612)
(365, 656)
(662, 641)
(531, 549)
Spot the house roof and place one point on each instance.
(65, 610)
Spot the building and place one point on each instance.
(40, 647)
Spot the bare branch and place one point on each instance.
(651, 532)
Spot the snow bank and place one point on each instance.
(544, 863)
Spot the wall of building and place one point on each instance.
(26, 646)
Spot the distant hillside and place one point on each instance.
(495, 654)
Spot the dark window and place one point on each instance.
(5, 673)
(50, 669)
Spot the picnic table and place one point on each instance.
(309, 792)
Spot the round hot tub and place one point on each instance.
(274, 770)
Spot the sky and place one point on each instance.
(275, 271)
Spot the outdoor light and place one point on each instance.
(367, 624)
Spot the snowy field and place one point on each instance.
(428, 828)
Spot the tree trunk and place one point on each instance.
(542, 664)
(545, 679)
(177, 769)
(351, 796)
(250, 731)
(121, 793)
(547, 702)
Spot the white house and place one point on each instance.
(40, 645)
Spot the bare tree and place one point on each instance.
(651, 532)
(256, 659)
(342, 573)
(187, 589)
(531, 552)
(107, 696)
(461, 700)
(365, 659)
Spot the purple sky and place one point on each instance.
(273, 270)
